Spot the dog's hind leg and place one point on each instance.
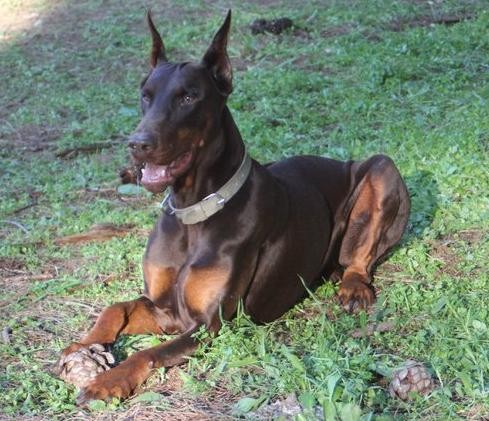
(377, 213)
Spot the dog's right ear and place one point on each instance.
(158, 48)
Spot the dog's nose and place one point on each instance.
(141, 142)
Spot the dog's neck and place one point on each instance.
(216, 163)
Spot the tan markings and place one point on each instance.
(127, 317)
(183, 133)
(141, 319)
(367, 203)
(204, 287)
(189, 181)
(158, 279)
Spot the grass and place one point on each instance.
(354, 79)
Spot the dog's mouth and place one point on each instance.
(156, 178)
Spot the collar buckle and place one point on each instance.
(165, 204)
(220, 202)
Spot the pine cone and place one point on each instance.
(412, 377)
(81, 366)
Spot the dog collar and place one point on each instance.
(212, 203)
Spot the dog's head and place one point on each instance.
(182, 104)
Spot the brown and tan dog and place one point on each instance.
(234, 230)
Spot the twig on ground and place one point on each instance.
(17, 224)
(31, 277)
(72, 152)
(423, 21)
(29, 205)
(80, 304)
(98, 232)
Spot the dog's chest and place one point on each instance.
(182, 274)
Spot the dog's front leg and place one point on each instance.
(122, 380)
(204, 293)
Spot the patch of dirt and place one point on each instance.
(287, 408)
(472, 237)
(16, 279)
(443, 250)
(274, 26)
(478, 412)
(173, 381)
(372, 328)
(91, 194)
(178, 405)
(40, 323)
(93, 148)
(307, 312)
(338, 30)
(264, 3)
(388, 267)
(398, 25)
(10, 266)
(303, 62)
(387, 273)
(62, 24)
(302, 33)
(64, 266)
(17, 17)
(100, 232)
(17, 286)
(372, 35)
(31, 138)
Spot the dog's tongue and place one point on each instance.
(155, 178)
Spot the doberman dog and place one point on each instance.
(234, 230)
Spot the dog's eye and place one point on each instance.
(146, 98)
(187, 99)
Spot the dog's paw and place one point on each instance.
(355, 294)
(119, 382)
(105, 386)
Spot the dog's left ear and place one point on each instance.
(217, 61)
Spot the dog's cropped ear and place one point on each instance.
(217, 61)
(158, 48)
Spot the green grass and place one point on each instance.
(345, 86)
